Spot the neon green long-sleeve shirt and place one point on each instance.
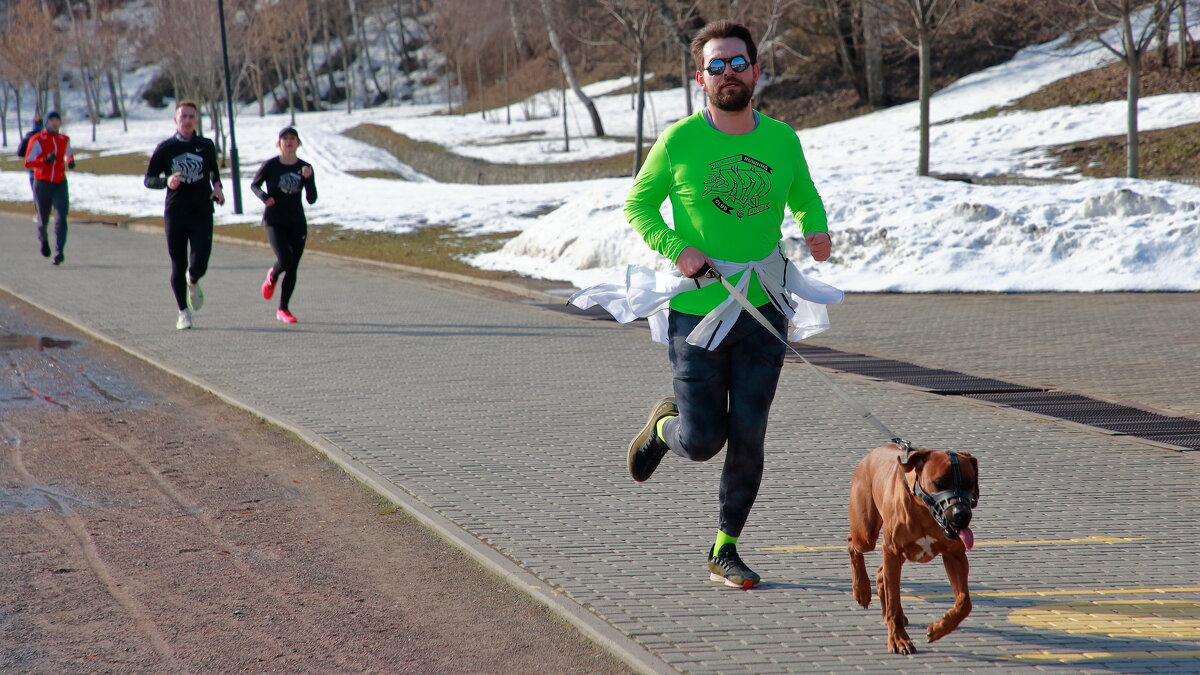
(727, 196)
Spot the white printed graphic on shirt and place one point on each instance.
(190, 167)
(290, 183)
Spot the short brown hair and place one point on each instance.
(187, 103)
(718, 30)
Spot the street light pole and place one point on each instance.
(233, 153)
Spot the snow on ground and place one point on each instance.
(893, 231)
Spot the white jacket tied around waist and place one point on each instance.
(647, 294)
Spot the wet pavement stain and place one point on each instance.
(15, 341)
(36, 498)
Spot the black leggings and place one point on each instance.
(196, 230)
(288, 243)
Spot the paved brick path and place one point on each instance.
(511, 421)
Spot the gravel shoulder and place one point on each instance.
(149, 527)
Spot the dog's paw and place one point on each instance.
(901, 644)
(862, 595)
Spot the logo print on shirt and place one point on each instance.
(289, 183)
(189, 166)
(739, 183)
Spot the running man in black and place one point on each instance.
(287, 228)
(186, 165)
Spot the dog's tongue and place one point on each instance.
(968, 537)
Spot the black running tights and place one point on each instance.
(288, 243)
(184, 232)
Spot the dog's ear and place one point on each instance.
(974, 465)
(910, 461)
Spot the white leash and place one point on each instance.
(854, 405)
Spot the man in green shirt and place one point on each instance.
(728, 172)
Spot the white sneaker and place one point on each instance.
(195, 297)
(185, 320)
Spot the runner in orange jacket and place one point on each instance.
(49, 156)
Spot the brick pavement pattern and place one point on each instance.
(512, 421)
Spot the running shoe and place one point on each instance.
(646, 449)
(195, 297)
(59, 258)
(728, 568)
(45, 247)
(268, 287)
(285, 316)
(184, 321)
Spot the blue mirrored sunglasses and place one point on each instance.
(717, 66)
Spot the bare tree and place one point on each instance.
(635, 17)
(1137, 24)
(564, 63)
(925, 17)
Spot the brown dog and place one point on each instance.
(900, 490)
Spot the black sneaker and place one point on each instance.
(58, 258)
(45, 249)
(647, 449)
(728, 568)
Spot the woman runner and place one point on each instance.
(287, 228)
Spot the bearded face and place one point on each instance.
(732, 95)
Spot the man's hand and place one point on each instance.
(50, 158)
(218, 196)
(690, 261)
(71, 163)
(270, 201)
(175, 180)
(819, 244)
(306, 172)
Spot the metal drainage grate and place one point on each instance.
(1178, 431)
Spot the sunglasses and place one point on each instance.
(737, 63)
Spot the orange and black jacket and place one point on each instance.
(43, 144)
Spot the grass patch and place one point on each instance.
(438, 247)
(129, 164)
(376, 173)
(1164, 153)
(1100, 85)
(444, 166)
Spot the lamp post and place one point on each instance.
(233, 153)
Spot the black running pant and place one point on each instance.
(724, 396)
(48, 196)
(288, 243)
(186, 231)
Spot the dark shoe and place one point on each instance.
(727, 567)
(45, 249)
(58, 258)
(647, 449)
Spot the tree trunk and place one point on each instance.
(1131, 112)
(923, 50)
(569, 73)
(873, 54)
(524, 51)
(641, 107)
(1182, 45)
(686, 74)
(566, 128)
(1162, 33)
(112, 95)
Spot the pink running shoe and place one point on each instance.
(268, 287)
(285, 316)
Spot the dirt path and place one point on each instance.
(148, 527)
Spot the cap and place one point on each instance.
(289, 130)
(53, 115)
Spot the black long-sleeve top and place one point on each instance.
(284, 182)
(195, 160)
